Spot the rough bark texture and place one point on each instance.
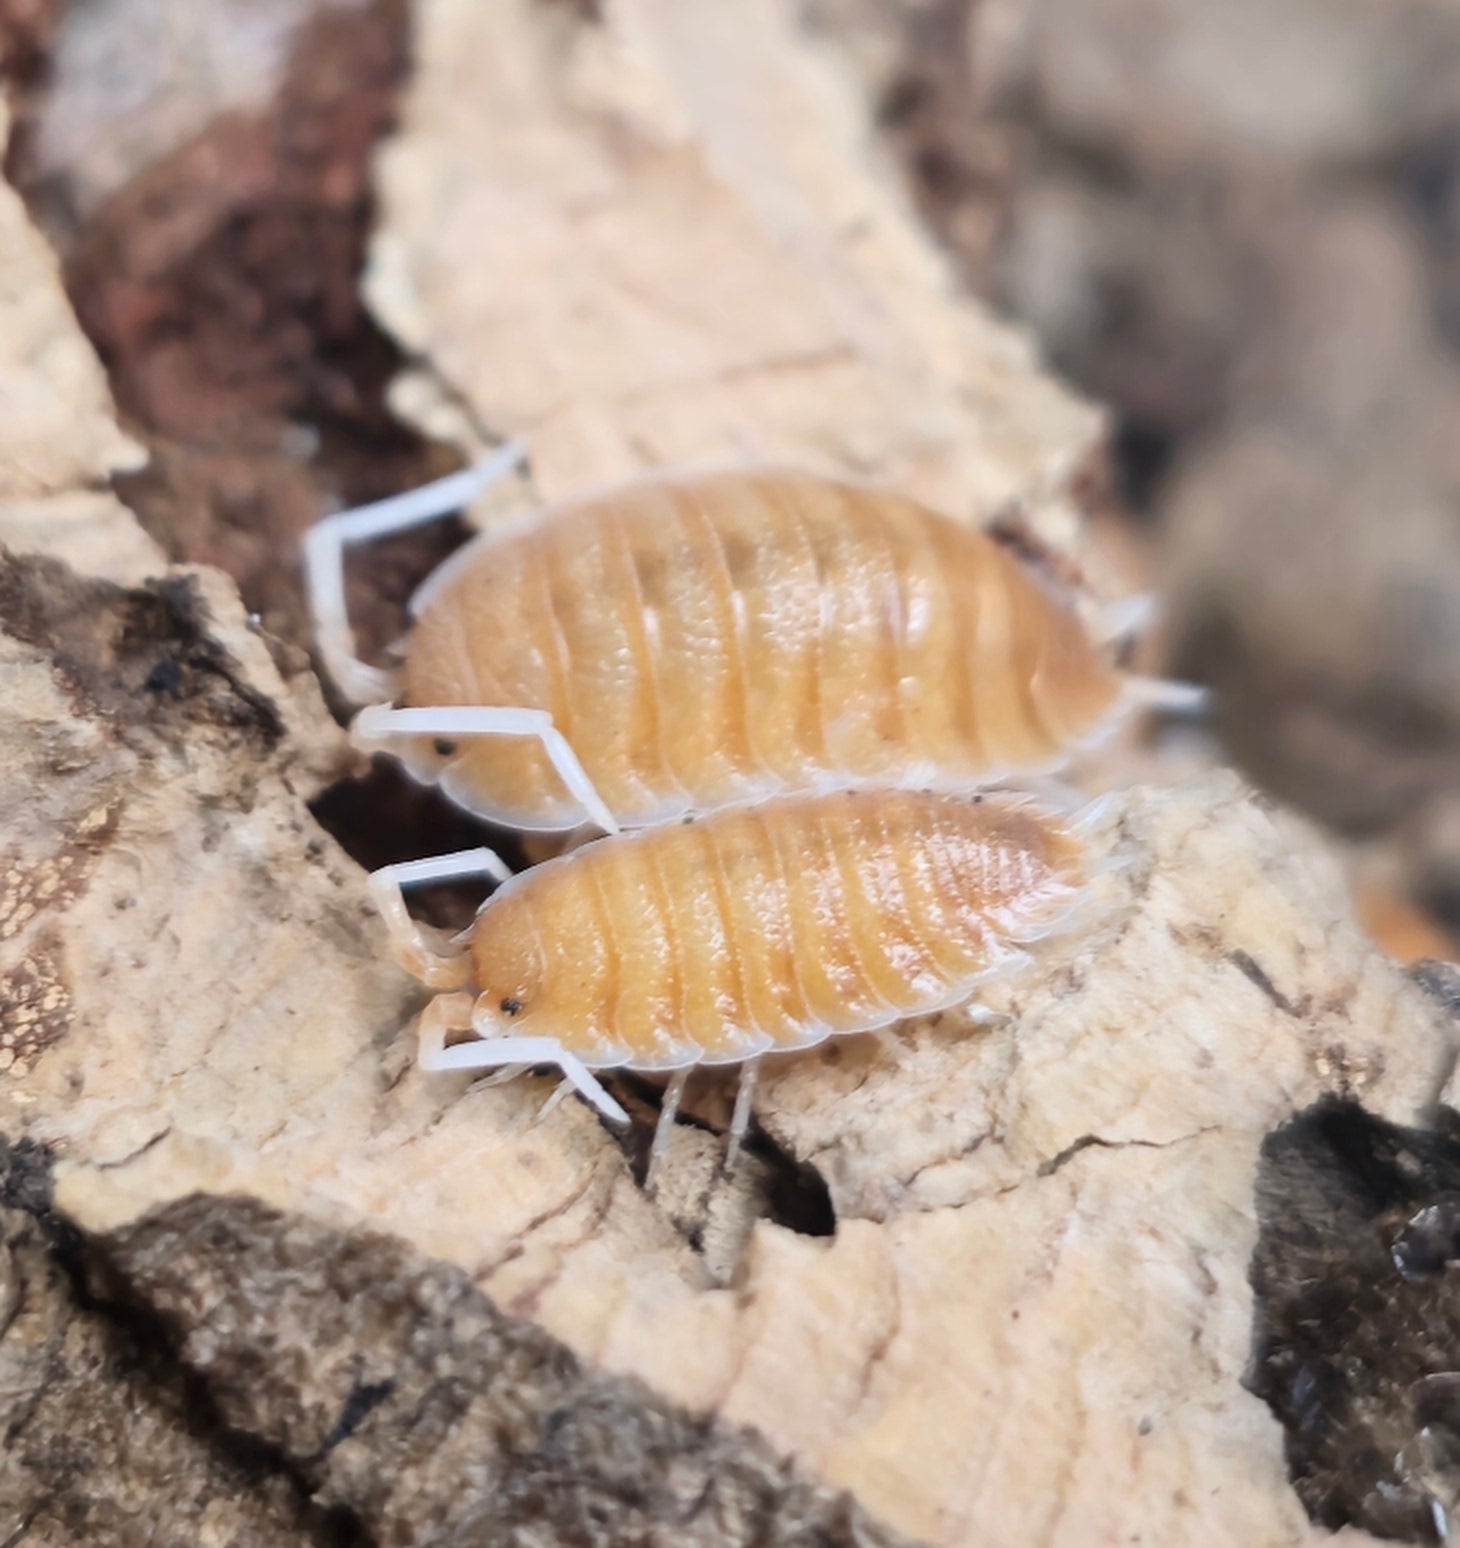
(210, 193)
(724, 283)
(222, 1374)
(991, 1278)
(103, 1441)
(59, 441)
(1359, 1317)
(404, 1397)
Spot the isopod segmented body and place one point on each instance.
(684, 644)
(756, 930)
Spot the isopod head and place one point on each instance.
(509, 967)
(509, 779)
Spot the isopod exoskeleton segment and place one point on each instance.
(757, 930)
(686, 643)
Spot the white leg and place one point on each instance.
(893, 1047)
(446, 1013)
(416, 949)
(664, 1129)
(324, 561)
(508, 1073)
(460, 1013)
(740, 1119)
(1128, 619)
(554, 1102)
(376, 726)
(489, 1052)
(453, 867)
(1167, 698)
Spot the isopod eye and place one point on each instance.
(511, 1007)
(444, 748)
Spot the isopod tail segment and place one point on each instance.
(324, 562)
(445, 965)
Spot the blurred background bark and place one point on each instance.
(1239, 226)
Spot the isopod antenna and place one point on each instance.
(1120, 623)
(324, 561)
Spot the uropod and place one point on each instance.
(691, 642)
(755, 930)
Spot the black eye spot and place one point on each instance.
(444, 748)
(512, 1007)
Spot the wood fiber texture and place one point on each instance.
(724, 285)
(407, 1401)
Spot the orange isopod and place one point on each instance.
(757, 930)
(686, 643)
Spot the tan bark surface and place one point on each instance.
(595, 247)
(1033, 1319)
(59, 441)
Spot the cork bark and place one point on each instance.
(991, 1277)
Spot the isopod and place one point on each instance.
(687, 643)
(755, 930)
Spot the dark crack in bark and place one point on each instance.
(221, 1369)
(464, 1425)
(104, 1439)
(141, 658)
(1357, 1321)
